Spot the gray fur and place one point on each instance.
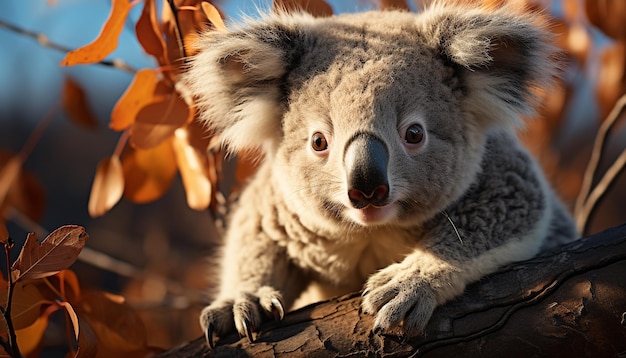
(446, 211)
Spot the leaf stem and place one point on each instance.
(14, 350)
(37, 133)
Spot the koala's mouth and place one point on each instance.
(373, 215)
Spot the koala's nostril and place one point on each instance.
(376, 197)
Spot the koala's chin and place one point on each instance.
(372, 215)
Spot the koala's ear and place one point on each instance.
(503, 57)
(237, 82)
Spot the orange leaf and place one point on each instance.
(87, 341)
(608, 16)
(138, 94)
(158, 120)
(193, 165)
(75, 104)
(56, 252)
(317, 8)
(29, 338)
(214, 16)
(106, 42)
(8, 175)
(26, 304)
(68, 278)
(116, 325)
(73, 317)
(108, 186)
(149, 33)
(148, 173)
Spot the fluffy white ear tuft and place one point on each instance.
(237, 82)
(503, 57)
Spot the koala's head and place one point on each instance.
(372, 118)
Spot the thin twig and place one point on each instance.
(582, 214)
(45, 42)
(14, 348)
(37, 133)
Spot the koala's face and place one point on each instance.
(374, 118)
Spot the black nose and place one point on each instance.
(365, 159)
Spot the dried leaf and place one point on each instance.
(8, 176)
(158, 120)
(29, 338)
(67, 278)
(193, 165)
(148, 173)
(75, 105)
(149, 33)
(106, 42)
(87, 341)
(138, 94)
(214, 16)
(56, 252)
(117, 326)
(608, 16)
(317, 8)
(394, 5)
(26, 304)
(73, 317)
(108, 186)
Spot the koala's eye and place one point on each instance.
(414, 134)
(318, 142)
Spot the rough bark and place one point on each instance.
(570, 302)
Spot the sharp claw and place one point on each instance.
(365, 292)
(277, 309)
(209, 335)
(246, 326)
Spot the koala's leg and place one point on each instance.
(258, 282)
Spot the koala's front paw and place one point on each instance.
(244, 313)
(399, 295)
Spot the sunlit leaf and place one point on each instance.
(213, 15)
(192, 164)
(611, 76)
(148, 31)
(107, 187)
(72, 315)
(29, 338)
(158, 120)
(317, 8)
(75, 104)
(138, 94)
(148, 173)
(26, 304)
(56, 252)
(67, 278)
(107, 40)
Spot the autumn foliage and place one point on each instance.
(160, 139)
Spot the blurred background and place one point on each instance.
(157, 254)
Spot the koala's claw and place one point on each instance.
(277, 309)
(209, 335)
(247, 327)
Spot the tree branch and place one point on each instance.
(569, 302)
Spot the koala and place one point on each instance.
(390, 162)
